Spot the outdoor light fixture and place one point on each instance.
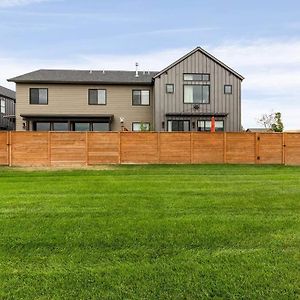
(122, 119)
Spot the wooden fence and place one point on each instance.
(92, 148)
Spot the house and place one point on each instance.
(259, 130)
(7, 109)
(182, 97)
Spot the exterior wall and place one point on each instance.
(219, 102)
(70, 99)
(7, 123)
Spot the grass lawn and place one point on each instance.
(151, 232)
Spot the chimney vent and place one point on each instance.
(136, 69)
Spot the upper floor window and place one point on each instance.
(2, 107)
(196, 77)
(140, 126)
(38, 96)
(169, 88)
(140, 97)
(97, 97)
(228, 89)
(196, 94)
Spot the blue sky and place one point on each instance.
(260, 39)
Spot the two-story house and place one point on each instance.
(182, 97)
(7, 109)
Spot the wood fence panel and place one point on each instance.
(103, 148)
(68, 149)
(3, 148)
(270, 148)
(292, 149)
(241, 148)
(139, 147)
(208, 148)
(175, 147)
(29, 149)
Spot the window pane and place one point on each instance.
(43, 96)
(42, 126)
(140, 126)
(186, 126)
(219, 126)
(187, 77)
(205, 96)
(170, 88)
(2, 108)
(207, 125)
(198, 77)
(205, 77)
(228, 89)
(136, 126)
(34, 96)
(82, 126)
(169, 126)
(60, 126)
(145, 97)
(93, 97)
(136, 97)
(101, 96)
(178, 125)
(188, 94)
(100, 126)
(197, 93)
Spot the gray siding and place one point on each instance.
(219, 101)
(5, 122)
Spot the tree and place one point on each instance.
(272, 121)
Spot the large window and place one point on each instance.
(196, 77)
(100, 127)
(60, 126)
(2, 107)
(42, 126)
(178, 125)
(97, 97)
(140, 97)
(140, 126)
(204, 125)
(197, 94)
(38, 96)
(82, 126)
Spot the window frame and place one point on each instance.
(231, 91)
(173, 88)
(97, 99)
(193, 103)
(30, 89)
(185, 120)
(207, 74)
(201, 120)
(140, 90)
(3, 106)
(133, 123)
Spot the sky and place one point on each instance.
(259, 39)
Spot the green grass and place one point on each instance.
(151, 232)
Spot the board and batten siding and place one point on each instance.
(5, 122)
(72, 99)
(219, 101)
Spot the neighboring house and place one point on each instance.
(262, 130)
(182, 97)
(7, 109)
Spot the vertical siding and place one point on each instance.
(219, 102)
(7, 123)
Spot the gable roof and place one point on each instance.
(7, 93)
(86, 77)
(206, 54)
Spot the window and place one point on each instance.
(140, 97)
(42, 126)
(196, 94)
(100, 126)
(97, 97)
(2, 107)
(178, 125)
(38, 96)
(140, 126)
(206, 125)
(228, 89)
(82, 126)
(60, 126)
(196, 77)
(170, 88)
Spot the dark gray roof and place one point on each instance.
(85, 77)
(7, 93)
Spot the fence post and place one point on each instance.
(49, 148)
(191, 148)
(120, 145)
(283, 148)
(9, 149)
(224, 148)
(257, 141)
(87, 148)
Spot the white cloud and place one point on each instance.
(11, 3)
(271, 69)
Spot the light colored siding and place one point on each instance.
(219, 102)
(69, 99)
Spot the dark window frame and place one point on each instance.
(97, 99)
(133, 123)
(207, 74)
(173, 88)
(231, 91)
(201, 120)
(30, 89)
(140, 90)
(193, 103)
(185, 120)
